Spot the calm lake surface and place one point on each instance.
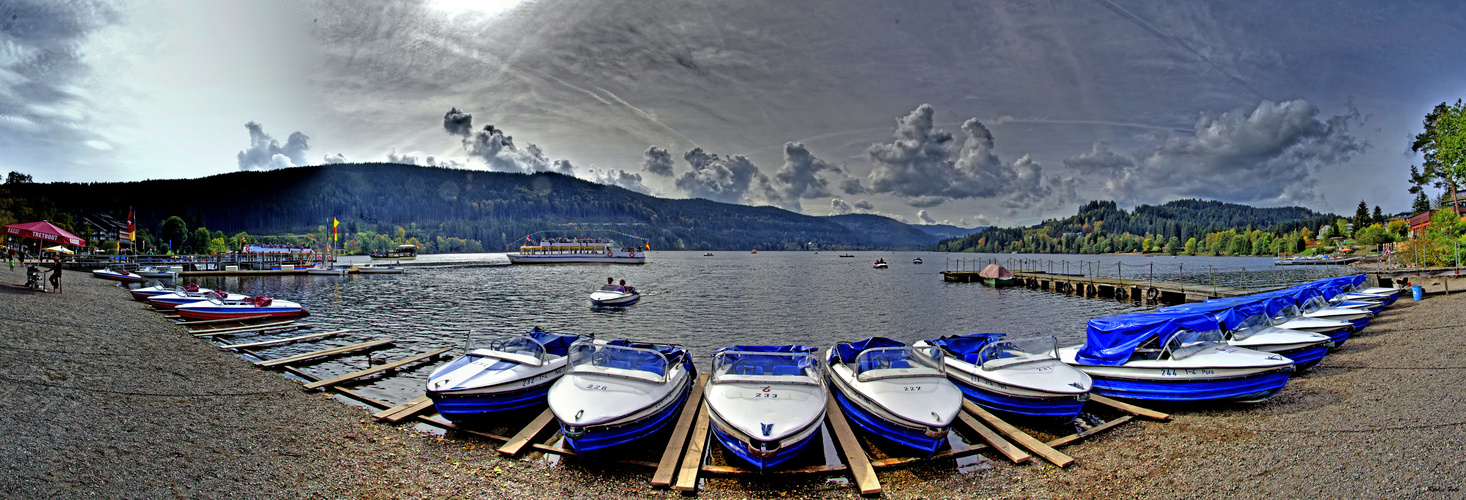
(704, 303)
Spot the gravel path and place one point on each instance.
(102, 398)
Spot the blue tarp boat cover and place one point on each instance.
(1111, 340)
(846, 352)
(674, 354)
(1229, 314)
(966, 347)
(766, 348)
(555, 343)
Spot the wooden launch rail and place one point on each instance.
(667, 467)
(860, 469)
(283, 341)
(323, 353)
(398, 413)
(1018, 436)
(1129, 408)
(528, 433)
(223, 320)
(993, 439)
(692, 459)
(279, 325)
(372, 371)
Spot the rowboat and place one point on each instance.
(617, 392)
(500, 374)
(765, 403)
(896, 392)
(1021, 378)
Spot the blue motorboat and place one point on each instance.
(1249, 324)
(1174, 357)
(766, 403)
(896, 392)
(499, 374)
(618, 392)
(1020, 379)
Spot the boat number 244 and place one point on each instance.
(1177, 373)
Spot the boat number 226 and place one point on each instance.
(595, 387)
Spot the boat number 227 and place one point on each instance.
(910, 388)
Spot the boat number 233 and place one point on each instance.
(766, 393)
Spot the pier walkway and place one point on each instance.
(1148, 291)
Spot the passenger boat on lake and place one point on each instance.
(500, 374)
(1020, 378)
(894, 391)
(619, 391)
(541, 249)
(403, 252)
(766, 403)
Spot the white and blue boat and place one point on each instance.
(1285, 314)
(1311, 303)
(896, 392)
(766, 403)
(1021, 379)
(184, 296)
(1174, 357)
(614, 296)
(619, 391)
(142, 293)
(1248, 324)
(500, 374)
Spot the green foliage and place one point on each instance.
(1443, 145)
(174, 233)
(1191, 246)
(1421, 204)
(1361, 217)
(17, 178)
(1373, 235)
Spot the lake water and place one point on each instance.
(704, 303)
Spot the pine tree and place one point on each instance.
(1379, 215)
(1361, 217)
(1421, 205)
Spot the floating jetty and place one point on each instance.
(1147, 291)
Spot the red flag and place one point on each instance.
(131, 229)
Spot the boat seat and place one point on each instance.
(974, 358)
(652, 368)
(787, 370)
(900, 363)
(616, 363)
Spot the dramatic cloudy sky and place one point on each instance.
(965, 112)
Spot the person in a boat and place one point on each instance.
(610, 281)
(622, 287)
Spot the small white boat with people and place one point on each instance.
(610, 295)
(894, 391)
(916, 260)
(880, 264)
(619, 391)
(542, 248)
(766, 403)
(1019, 378)
(376, 269)
(1174, 357)
(118, 274)
(500, 374)
(213, 307)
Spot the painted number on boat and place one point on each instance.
(595, 387)
(1177, 373)
(910, 388)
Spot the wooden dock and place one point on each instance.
(1146, 291)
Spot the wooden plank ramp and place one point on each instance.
(397, 413)
(1004, 447)
(860, 468)
(283, 341)
(1018, 436)
(1129, 408)
(241, 319)
(692, 460)
(375, 370)
(266, 327)
(323, 353)
(528, 433)
(1089, 432)
(667, 467)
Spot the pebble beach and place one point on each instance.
(105, 399)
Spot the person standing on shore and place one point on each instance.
(56, 274)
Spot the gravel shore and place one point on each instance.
(104, 399)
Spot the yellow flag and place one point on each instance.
(334, 223)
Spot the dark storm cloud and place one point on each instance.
(41, 67)
(618, 177)
(1272, 153)
(457, 122)
(657, 161)
(266, 153)
(923, 162)
(864, 206)
(734, 179)
(799, 176)
(922, 216)
(840, 207)
(495, 148)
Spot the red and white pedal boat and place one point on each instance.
(122, 275)
(215, 308)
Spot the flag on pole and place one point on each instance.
(334, 223)
(131, 228)
(648, 245)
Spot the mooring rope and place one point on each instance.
(150, 394)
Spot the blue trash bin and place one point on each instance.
(1418, 291)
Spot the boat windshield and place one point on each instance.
(1186, 343)
(1008, 353)
(1251, 326)
(774, 367)
(1314, 303)
(1288, 312)
(518, 348)
(618, 361)
(896, 362)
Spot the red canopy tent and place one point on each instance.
(44, 231)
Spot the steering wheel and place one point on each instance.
(742, 366)
(881, 361)
(600, 358)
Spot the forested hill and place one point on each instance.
(1101, 226)
(452, 210)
